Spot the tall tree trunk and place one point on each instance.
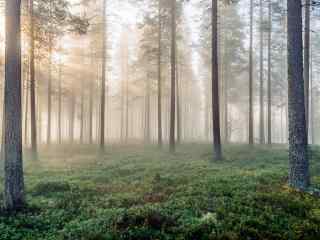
(215, 84)
(34, 150)
(103, 78)
(127, 90)
(72, 116)
(172, 140)
(60, 104)
(178, 92)
(14, 198)
(26, 109)
(306, 65)
(298, 157)
(251, 140)
(50, 81)
(91, 89)
(159, 76)
(261, 127)
(82, 112)
(147, 111)
(312, 108)
(269, 73)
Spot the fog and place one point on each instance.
(134, 112)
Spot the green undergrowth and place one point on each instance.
(145, 193)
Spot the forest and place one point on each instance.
(159, 119)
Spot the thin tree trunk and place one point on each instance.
(251, 140)
(178, 92)
(298, 157)
(172, 140)
(261, 127)
(34, 150)
(49, 83)
(60, 105)
(269, 74)
(14, 198)
(215, 84)
(306, 64)
(312, 108)
(91, 106)
(159, 76)
(26, 109)
(82, 112)
(103, 78)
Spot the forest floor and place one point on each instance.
(144, 193)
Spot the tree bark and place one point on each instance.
(103, 78)
(159, 76)
(251, 133)
(269, 73)
(14, 198)
(261, 127)
(172, 140)
(306, 64)
(215, 84)
(298, 157)
(34, 147)
(60, 104)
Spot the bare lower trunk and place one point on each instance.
(172, 140)
(103, 79)
(34, 147)
(14, 183)
(215, 84)
(159, 77)
(251, 141)
(306, 65)
(261, 127)
(269, 76)
(298, 158)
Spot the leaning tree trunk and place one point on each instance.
(172, 140)
(14, 183)
(298, 157)
(215, 84)
(251, 141)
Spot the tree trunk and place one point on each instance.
(59, 105)
(26, 109)
(251, 140)
(103, 78)
(298, 157)
(215, 84)
(82, 112)
(14, 182)
(34, 150)
(261, 127)
(306, 65)
(269, 74)
(172, 140)
(159, 76)
(178, 92)
(91, 89)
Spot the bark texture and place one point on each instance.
(14, 183)
(298, 157)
